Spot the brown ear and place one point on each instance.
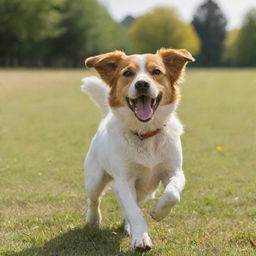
(175, 61)
(105, 64)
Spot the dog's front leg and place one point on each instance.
(173, 181)
(126, 194)
(170, 196)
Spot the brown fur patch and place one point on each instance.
(175, 61)
(162, 81)
(111, 67)
(106, 64)
(119, 88)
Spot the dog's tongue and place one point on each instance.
(143, 109)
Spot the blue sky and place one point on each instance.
(233, 9)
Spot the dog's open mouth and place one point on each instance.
(144, 107)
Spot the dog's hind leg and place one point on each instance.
(96, 180)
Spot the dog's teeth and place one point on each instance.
(153, 102)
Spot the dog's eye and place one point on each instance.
(156, 72)
(128, 73)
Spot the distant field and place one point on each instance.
(46, 125)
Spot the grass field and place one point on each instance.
(46, 124)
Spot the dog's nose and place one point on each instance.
(142, 85)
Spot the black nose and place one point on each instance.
(142, 85)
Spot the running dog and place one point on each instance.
(137, 144)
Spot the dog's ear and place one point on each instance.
(106, 64)
(175, 62)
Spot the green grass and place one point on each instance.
(46, 125)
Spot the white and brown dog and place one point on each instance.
(137, 144)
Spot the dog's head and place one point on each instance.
(142, 82)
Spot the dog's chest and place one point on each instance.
(146, 152)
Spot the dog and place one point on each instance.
(137, 144)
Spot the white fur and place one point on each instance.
(142, 75)
(136, 166)
(98, 92)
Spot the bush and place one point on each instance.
(163, 28)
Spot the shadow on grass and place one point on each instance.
(80, 242)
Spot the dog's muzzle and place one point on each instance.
(144, 106)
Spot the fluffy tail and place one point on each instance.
(97, 90)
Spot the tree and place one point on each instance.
(56, 32)
(127, 21)
(163, 28)
(230, 52)
(23, 26)
(246, 41)
(210, 24)
(87, 29)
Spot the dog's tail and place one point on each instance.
(97, 90)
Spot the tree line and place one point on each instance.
(62, 33)
(56, 32)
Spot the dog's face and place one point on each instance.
(141, 82)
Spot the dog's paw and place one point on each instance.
(93, 225)
(93, 219)
(164, 205)
(142, 243)
(159, 214)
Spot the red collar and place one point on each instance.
(147, 135)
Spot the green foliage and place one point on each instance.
(24, 25)
(88, 29)
(246, 40)
(56, 32)
(210, 24)
(230, 53)
(163, 28)
(65, 32)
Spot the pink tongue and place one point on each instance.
(143, 109)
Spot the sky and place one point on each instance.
(233, 9)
